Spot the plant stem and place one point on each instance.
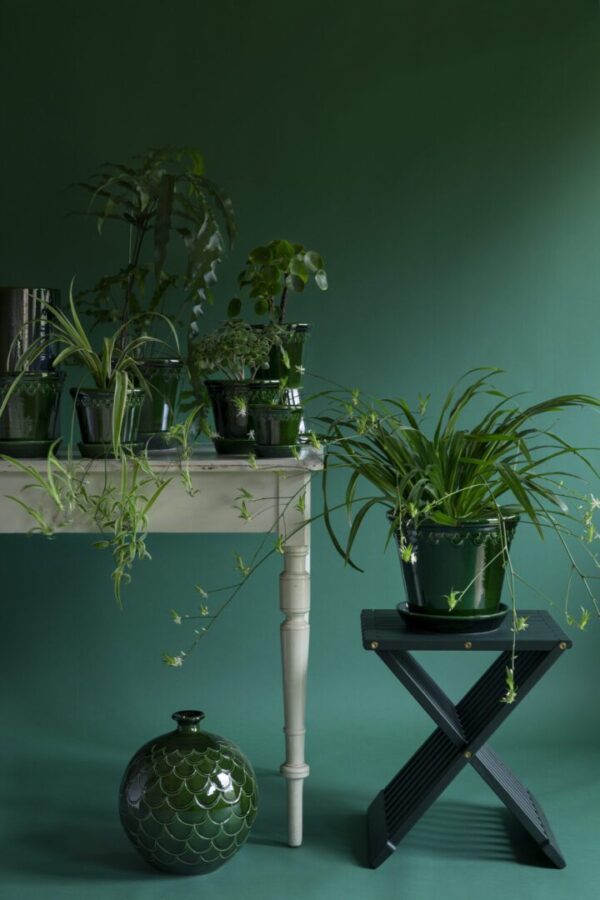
(282, 302)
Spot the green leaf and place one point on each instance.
(321, 279)
(234, 308)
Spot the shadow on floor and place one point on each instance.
(73, 830)
(473, 831)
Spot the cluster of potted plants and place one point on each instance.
(122, 332)
(257, 405)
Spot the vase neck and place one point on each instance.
(188, 720)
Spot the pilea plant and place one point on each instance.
(163, 193)
(275, 270)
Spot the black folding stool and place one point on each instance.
(463, 729)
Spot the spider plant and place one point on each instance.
(113, 367)
(503, 466)
(455, 474)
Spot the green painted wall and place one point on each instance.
(444, 157)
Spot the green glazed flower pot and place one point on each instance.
(275, 426)
(293, 344)
(188, 799)
(94, 413)
(467, 557)
(23, 320)
(158, 409)
(231, 402)
(31, 416)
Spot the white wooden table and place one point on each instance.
(276, 485)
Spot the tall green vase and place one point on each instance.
(188, 799)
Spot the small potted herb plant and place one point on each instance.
(161, 195)
(275, 423)
(239, 352)
(272, 273)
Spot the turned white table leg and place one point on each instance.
(294, 593)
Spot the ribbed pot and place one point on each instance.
(461, 558)
(32, 411)
(275, 425)
(23, 319)
(157, 415)
(293, 344)
(94, 413)
(188, 799)
(230, 401)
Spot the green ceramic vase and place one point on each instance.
(94, 413)
(275, 428)
(231, 402)
(467, 557)
(158, 409)
(29, 423)
(188, 799)
(293, 344)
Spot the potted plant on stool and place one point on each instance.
(453, 498)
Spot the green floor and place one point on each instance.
(83, 687)
(63, 839)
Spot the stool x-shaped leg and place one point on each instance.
(460, 737)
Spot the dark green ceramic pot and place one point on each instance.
(275, 426)
(293, 344)
(94, 413)
(230, 401)
(32, 411)
(188, 799)
(162, 378)
(23, 320)
(466, 557)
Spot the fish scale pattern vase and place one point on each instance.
(188, 799)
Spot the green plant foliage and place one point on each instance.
(112, 367)
(456, 474)
(235, 349)
(272, 272)
(163, 194)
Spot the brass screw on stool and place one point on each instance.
(468, 645)
(562, 645)
(374, 645)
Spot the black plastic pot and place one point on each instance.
(162, 378)
(230, 402)
(461, 558)
(293, 345)
(28, 425)
(24, 319)
(275, 428)
(94, 413)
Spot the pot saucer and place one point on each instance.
(26, 449)
(447, 623)
(233, 446)
(276, 451)
(105, 451)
